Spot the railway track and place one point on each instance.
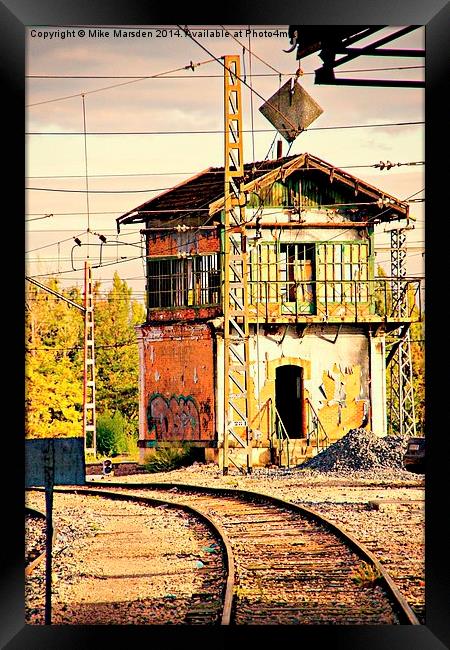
(285, 564)
(35, 530)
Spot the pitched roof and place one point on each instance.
(203, 193)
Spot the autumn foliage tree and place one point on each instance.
(54, 359)
(53, 370)
(117, 357)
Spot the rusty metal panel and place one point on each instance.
(291, 110)
(54, 461)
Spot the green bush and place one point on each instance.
(166, 459)
(113, 436)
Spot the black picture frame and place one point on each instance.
(15, 15)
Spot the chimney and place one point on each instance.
(279, 149)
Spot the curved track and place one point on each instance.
(204, 608)
(36, 553)
(286, 563)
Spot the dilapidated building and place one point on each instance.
(317, 313)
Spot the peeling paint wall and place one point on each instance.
(177, 384)
(336, 376)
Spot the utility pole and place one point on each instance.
(236, 326)
(89, 417)
(401, 408)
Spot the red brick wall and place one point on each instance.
(162, 243)
(184, 313)
(179, 382)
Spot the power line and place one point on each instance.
(53, 243)
(125, 83)
(421, 162)
(78, 347)
(66, 214)
(86, 169)
(220, 131)
(158, 189)
(214, 76)
(255, 55)
(54, 189)
(121, 174)
(253, 216)
(113, 230)
(121, 261)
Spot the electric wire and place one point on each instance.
(255, 55)
(124, 83)
(253, 217)
(186, 31)
(86, 170)
(61, 241)
(191, 173)
(220, 131)
(214, 76)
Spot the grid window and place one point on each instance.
(183, 282)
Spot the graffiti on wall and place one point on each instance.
(174, 418)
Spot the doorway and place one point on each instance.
(289, 398)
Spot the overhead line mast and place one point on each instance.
(237, 418)
(402, 400)
(89, 415)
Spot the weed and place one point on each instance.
(166, 459)
(366, 575)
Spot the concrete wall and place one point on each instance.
(337, 362)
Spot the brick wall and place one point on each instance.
(192, 242)
(178, 383)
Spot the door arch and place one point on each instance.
(289, 399)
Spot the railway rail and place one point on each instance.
(35, 519)
(285, 563)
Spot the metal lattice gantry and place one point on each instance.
(89, 423)
(401, 407)
(237, 432)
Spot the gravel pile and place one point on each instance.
(360, 450)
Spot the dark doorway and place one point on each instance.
(289, 398)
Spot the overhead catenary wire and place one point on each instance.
(254, 54)
(220, 131)
(124, 83)
(107, 175)
(213, 76)
(253, 217)
(86, 170)
(187, 32)
(160, 189)
(155, 189)
(61, 241)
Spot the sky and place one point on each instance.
(123, 170)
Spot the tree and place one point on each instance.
(117, 358)
(54, 363)
(54, 391)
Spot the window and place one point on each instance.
(296, 268)
(183, 282)
(297, 276)
(343, 272)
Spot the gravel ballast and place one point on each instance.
(393, 530)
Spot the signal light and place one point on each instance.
(107, 467)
